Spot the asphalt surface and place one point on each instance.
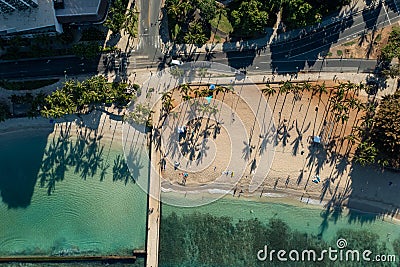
(306, 52)
(54, 67)
(149, 41)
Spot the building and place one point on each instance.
(29, 17)
(81, 12)
(7, 6)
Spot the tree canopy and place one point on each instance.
(301, 13)
(250, 18)
(381, 134)
(75, 96)
(392, 48)
(120, 19)
(189, 21)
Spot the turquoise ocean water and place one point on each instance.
(304, 218)
(309, 219)
(67, 196)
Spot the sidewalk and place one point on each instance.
(354, 8)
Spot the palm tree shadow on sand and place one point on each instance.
(370, 194)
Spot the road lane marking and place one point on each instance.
(384, 8)
(355, 25)
(337, 41)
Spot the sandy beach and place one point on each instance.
(297, 162)
(292, 169)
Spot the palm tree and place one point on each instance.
(190, 38)
(166, 96)
(174, 8)
(166, 100)
(219, 12)
(306, 86)
(186, 97)
(195, 27)
(204, 92)
(197, 92)
(359, 105)
(184, 89)
(219, 89)
(296, 91)
(268, 90)
(285, 88)
(352, 102)
(200, 38)
(130, 23)
(175, 32)
(185, 7)
(320, 89)
(366, 153)
(351, 138)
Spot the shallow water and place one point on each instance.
(299, 216)
(67, 196)
(309, 219)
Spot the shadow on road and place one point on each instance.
(302, 52)
(241, 59)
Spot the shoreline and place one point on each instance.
(292, 198)
(112, 132)
(25, 125)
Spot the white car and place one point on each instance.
(175, 62)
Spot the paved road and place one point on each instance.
(307, 51)
(302, 53)
(149, 28)
(73, 66)
(55, 67)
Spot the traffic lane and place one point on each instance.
(364, 17)
(247, 58)
(325, 65)
(352, 33)
(155, 7)
(45, 73)
(343, 38)
(144, 16)
(336, 26)
(329, 65)
(332, 37)
(53, 67)
(344, 29)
